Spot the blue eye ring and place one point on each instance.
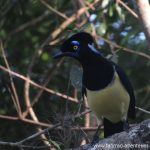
(75, 44)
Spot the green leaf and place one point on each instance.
(104, 3)
(2, 33)
(45, 56)
(34, 39)
(120, 13)
(110, 12)
(102, 28)
(90, 1)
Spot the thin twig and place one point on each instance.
(32, 113)
(28, 24)
(143, 8)
(43, 124)
(89, 5)
(37, 134)
(126, 49)
(54, 10)
(9, 117)
(15, 98)
(127, 8)
(83, 113)
(83, 6)
(40, 92)
(37, 85)
(142, 110)
(19, 144)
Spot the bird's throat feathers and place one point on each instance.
(97, 74)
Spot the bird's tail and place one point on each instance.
(112, 128)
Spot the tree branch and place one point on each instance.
(126, 49)
(53, 10)
(37, 85)
(138, 137)
(127, 8)
(144, 14)
(14, 91)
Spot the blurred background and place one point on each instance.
(34, 95)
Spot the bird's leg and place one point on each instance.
(126, 126)
(96, 137)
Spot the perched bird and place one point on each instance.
(109, 92)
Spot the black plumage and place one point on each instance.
(102, 79)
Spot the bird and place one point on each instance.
(108, 89)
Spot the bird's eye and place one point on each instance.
(75, 47)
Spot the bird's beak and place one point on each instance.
(69, 54)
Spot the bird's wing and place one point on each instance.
(128, 86)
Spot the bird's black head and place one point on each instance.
(77, 46)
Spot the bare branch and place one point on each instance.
(9, 117)
(32, 113)
(28, 24)
(127, 8)
(20, 143)
(39, 86)
(15, 97)
(138, 137)
(142, 110)
(126, 49)
(53, 10)
(40, 92)
(144, 13)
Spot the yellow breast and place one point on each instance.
(111, 102)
